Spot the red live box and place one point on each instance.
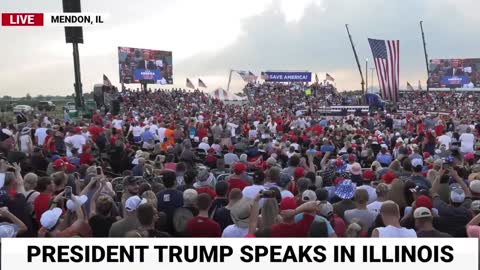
(22, 19)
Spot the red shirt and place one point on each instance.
(41, 204)
(338, 226)
(207, 190)
(203, 227)
(237, 183)
(299, 229)
(95, 130)
(439, 130)
(97, 119)
(202, 132)
(86, 158)
(49, 145)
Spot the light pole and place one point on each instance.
(366, 76)
(372, 69)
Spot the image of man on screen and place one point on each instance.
(146, 63)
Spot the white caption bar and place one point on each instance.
(251, 253)
(74, 19)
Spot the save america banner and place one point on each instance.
(287, 76)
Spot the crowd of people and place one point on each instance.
(461, 104)
(174, 163)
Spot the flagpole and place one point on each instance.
(366, 75)
(425, 52)
(372, 83)
(356, 59)
(229, 80)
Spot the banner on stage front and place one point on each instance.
(287, 76)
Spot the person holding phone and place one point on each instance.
(52, 223)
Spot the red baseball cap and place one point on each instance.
(239, 168)
(288, 203)
(59, 163)
(388, 177)
(299, 172)
(368, 175)
(424, 201)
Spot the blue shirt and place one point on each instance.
(384, 158)
(324, 123)
(146, 135)
(317, 219)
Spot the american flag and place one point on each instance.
(190, 84)
(252, 77)
(386, 54)
(106, 81)
(244, 74)
(410, 87)
(201, 83)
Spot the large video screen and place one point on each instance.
(455, 73)
(145, 66)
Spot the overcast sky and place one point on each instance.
(209, 37)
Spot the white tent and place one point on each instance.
(223, 95)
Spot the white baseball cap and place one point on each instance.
(133, 203)
(81, 199)
(417, 162)
(50, 218)
(457, 196)
(422, 212)
(309, 195)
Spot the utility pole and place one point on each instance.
(356, 59)
(372, 84)
(229, 80)
(426, 55)
(366, 75)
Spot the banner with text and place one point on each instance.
(239, 253)
(287, 76)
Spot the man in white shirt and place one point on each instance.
(136, 131)
(86, 134)
(41, 134)
(468, 140)
(230, 157)
(233, 127)
(117, 123)
(161, 132)
(75, 141)
(204, 144)
(444, 139)
(390, 214)
(382, 191)
(251, 192)
(153, 129)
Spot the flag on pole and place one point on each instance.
(106, 81)
(316, 78)
(201, 83)
(329, 78)
(190, 84)
(419, 85)
(244, 74)
(386, 54)
(252, 77)
(409, 87)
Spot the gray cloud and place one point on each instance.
(318, 41)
